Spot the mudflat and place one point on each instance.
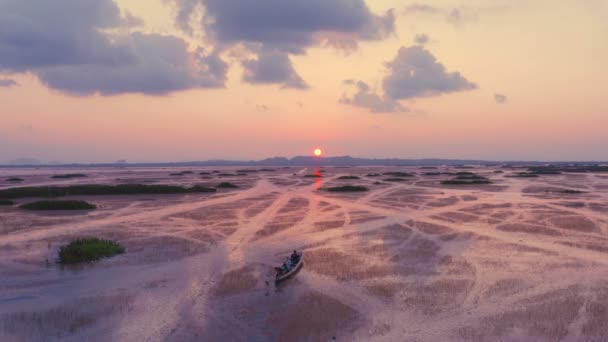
(419, 259)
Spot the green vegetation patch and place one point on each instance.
(314, 176)
(523, 175)
(14, 179)
(398, 174)
(471, 176)
(348, 177)
(373, 175)
(247, 171)
(432, 174)
(87, 250)
(395, 180)
(348, 188)
(557, 169)
(227, 185)
(570, 191)
(463, 173)
(69, 175)
(99, 189)
(228, 175)
(6, 202)
(59, 205)
(466, 181)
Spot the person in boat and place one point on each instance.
(295, 257)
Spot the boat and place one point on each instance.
(282, 275)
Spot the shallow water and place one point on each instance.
(411, 260)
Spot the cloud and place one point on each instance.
(372, 101)
(262, 108)
(286, 25)
(283, 27)
(421, 39)
(500, 98)
(416, 73)
(7, 83)
(413, 73)
(74, 46)
(162, 65)
(456, 16)
(421, 8)
(272, 68)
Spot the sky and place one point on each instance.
(183, 80)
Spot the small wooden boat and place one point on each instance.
(282, 275)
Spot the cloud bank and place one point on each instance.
(7, 83)
(67, 44)
(274, 29)
(413, 73)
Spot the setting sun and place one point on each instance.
(318, 152)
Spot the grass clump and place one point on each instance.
(432, 174)
(556, 169)
(470, 177)
(69, 175)
(373, 175)
(523, 175)
(227, 175)
(348, 188)
(570, 191)
(14, 179)
(466, 181)
(59, 205)
(6, 202)
(100, 189)
(247, 171)
(398, 174)
(348, 177)
(227, 185)
(314, 176)
(87, 250)
(394, 180)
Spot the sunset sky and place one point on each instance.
(182, 80)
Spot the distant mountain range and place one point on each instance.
(298, 161)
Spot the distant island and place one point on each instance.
(305, 161)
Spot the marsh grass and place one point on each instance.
(466, 181)
(87, 250)
(347, 188)
(14, 179)
(227, 185)
(99, 189)
(398, 174)
(523, 175)
(6, 202)
(348, 177)
(556, 169)
(58, 205)
(69, 175)
(395, 180)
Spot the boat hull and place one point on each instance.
(293, 271)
